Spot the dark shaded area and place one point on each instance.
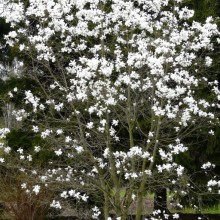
(160, 200)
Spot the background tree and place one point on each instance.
(121, 90)
(206, 148)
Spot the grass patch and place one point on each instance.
(211, 210)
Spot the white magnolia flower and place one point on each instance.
(90, 125)
(58, 152)
(24, 185)
(55, 204)
(59, 131)
(7, 150)
(36, 189)
(37, 149)
(35, 129)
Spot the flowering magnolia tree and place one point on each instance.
(122, 85)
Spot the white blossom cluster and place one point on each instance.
(55, 204)
(213, 185)
(4, 132)
(208, 165)
(74, 194)
(124, 88)
(96, 212)
(20, 114)
(157, 215)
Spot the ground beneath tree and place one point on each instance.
(149, 206)
(182, 217)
